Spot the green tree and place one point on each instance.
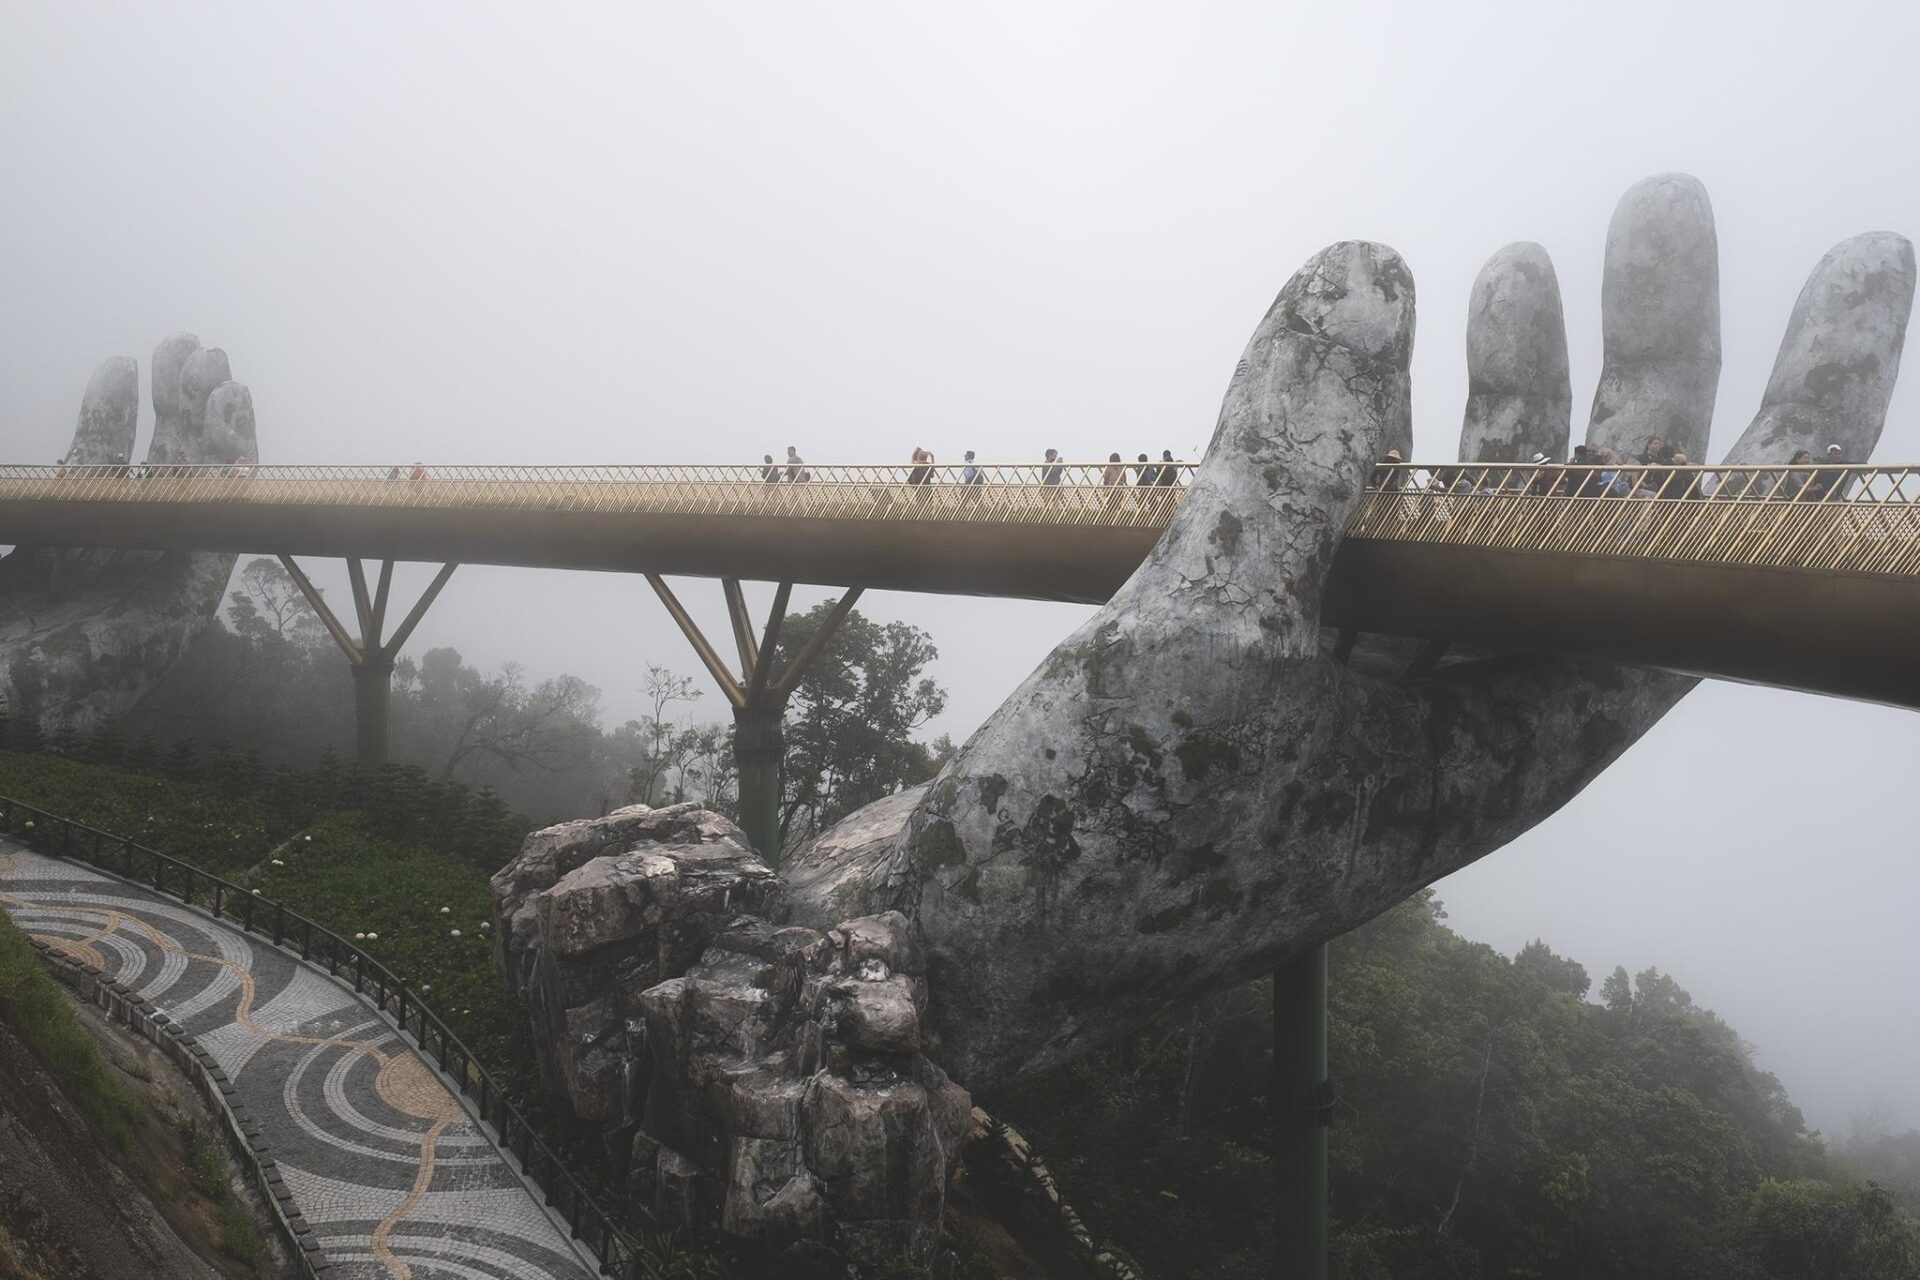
(852, 717)
(1808, 1230)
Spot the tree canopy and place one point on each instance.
(1492, 1121)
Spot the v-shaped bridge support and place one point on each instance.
(371, 657)
(757, 694)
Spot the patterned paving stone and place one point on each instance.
(395, 1179)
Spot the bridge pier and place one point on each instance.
(757, 695)
(370, 657)
(1302, 1107)
(372, 712)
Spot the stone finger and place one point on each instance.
(1519, 397)
(1660, 320)
(1840, 357)
(229, 433)
(1321, 390)
(109, 412)
(169, 358)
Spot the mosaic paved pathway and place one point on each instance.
(395, 1178)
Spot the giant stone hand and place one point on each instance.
(1194, 787)
(1191, 788)
(84, 635)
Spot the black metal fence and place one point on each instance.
(49, 833)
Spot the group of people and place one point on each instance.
(1053, 469)
(1652, 473)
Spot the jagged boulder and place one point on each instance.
(592, 913)
(788, 1099)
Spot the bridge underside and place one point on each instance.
(1831, 632)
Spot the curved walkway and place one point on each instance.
(393, 1175)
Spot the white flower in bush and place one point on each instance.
(278, 863)
(359, 937)
(454, 933)
(308, 839)
(446, 911)
(425, 987)
(373, 937)
(256, 892)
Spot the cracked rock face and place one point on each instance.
(788, 1098)
(775, 1072)
(591, 914)
(84, 635)
(1192, 788)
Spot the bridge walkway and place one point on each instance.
(1799, 577)
(382, 1160)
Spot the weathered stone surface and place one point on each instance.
(1660, 319)
(1840, 358)
(843, 872)
(169, 359)
(109, 412)
(89, 634)
(228, 424)
(202, 371)
(593, 913)
(1519, 398)
(784, 1068)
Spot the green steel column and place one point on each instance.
(1301, 1103)
(372, 708)
(757, 749)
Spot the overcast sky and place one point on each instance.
(702, 232)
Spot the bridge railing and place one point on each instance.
(49, 833)
(1861, 519)
(1835, 517)
(1129, 495)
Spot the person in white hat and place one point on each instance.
(1830, 482)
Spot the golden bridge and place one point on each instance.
(1799, 577)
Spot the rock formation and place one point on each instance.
(1190, 790)
(84, 635)
(774, 1073)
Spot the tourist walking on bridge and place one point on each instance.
(922, 466)
(796, 466)
(1054, 470)
(769, 471)
(971, 473)
(1169, 469)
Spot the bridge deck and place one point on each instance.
(1736, 572)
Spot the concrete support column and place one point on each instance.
(1302, 1106)
(759, 746)
(373, 712)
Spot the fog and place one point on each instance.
(701, 233)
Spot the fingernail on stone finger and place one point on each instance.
(1660, 316)
(1519, 396)
(1840, 357)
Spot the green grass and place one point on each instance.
(198, 824)
(341, 873)
(354, 882)
(239, 1237)
(32, 1003)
